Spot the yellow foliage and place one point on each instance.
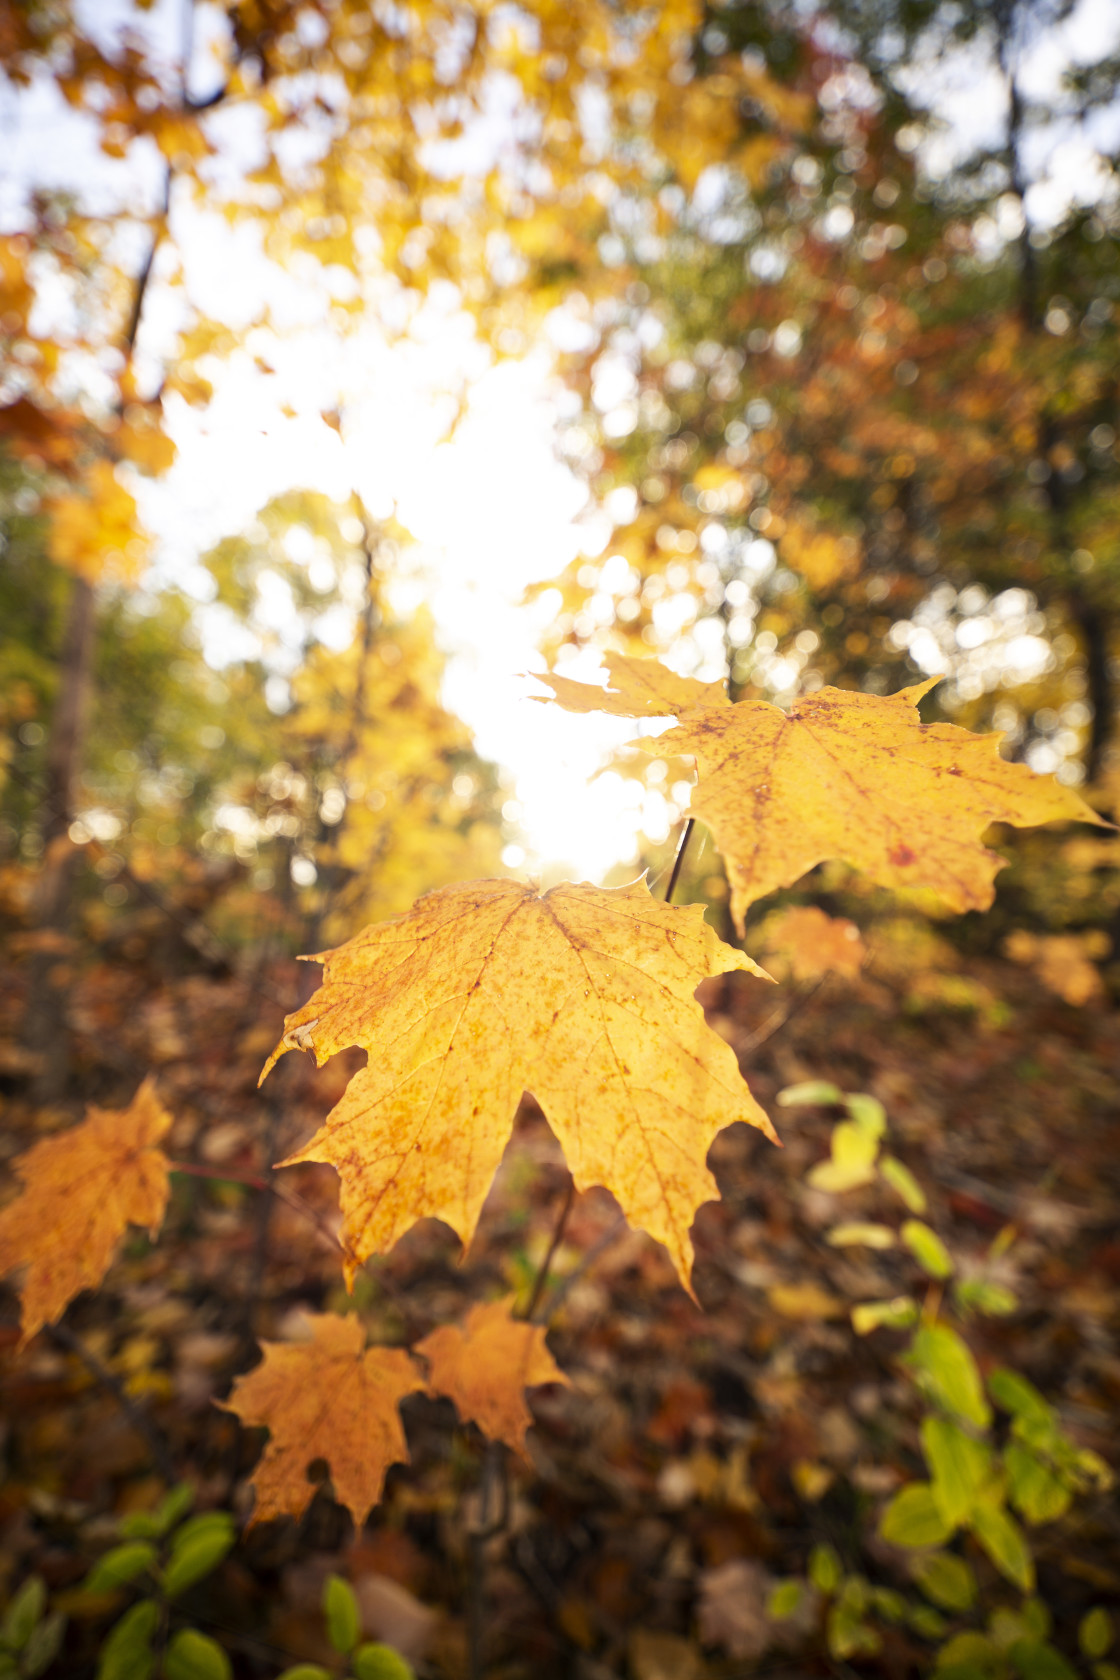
(95, 531)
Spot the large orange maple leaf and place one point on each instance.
(485, 990)
(80, 1192)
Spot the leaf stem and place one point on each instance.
(686, 836)
(557, 1237)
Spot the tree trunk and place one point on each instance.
(1094, 624)
(48, 978)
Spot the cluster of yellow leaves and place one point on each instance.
(81, 1190)
(95, 529)
(1063, 961)
(332, 1398)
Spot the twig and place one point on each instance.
(775, 1022)
(686, 836)
(254, 1181)
(557, 1237)
(598, 1247)
(495, 1470)
(141, 1421)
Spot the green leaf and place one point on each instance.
(865, 1234)
(1095, 1633)
(192, 1656)
(197, 1548)
(868, 1113)
(344, 1623)
(948, 1580)
(173, 1507)
(848, 1636)
(927, 1621)
(1004, 1542)
(824, 1569)
(810, 1091)
(23, 1613)
(1035, 1659)
(127, 1652)
(888, 1604)
(991, 1299)
(961, 1467)
(1106, 1671)
(898, 1314)
(1019, 1397)
(946, 1362)
(44, 1645)
(927, 1248)
(970, 1651)
(380, 1662)
(903, 1183)
(119, 1566)
(1035, 1490)
(306, 1671)
(852, 1160)
(785, 1600)
(913, 1519)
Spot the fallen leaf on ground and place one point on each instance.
(331, 1398)
(81, 1191)
(486, 1365)
(484, 990)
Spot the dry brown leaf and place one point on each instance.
(81, 1190)
(814, 944)
(331, 1398)
(486, 1365)
(636, 688)
(485, 990)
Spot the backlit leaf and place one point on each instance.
(635, 688)
(949, 1369)
(81, 1190)
(961, 1467)
(927, 1248)
(329, 1398)
(1003, 1540)
(481, 991)
(913, 1519)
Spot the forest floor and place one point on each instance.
(702, 1447)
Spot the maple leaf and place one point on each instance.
(858, 777)
(486, 1365)
(484, 990)
(636, 688)
(331, 1398)
(80, 1192)
(814, 944)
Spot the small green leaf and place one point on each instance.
(785, 1600)
(1106, 1671)
(888, 1604)
(824, 1569)
(848, 1636)
(898, 1314)
(344, 1623)
(1095, 1633)
(946, 1362)
(192, 1656)
(948, 1580)
(23, 1613)
(927, 1621)
(862, 1234)
(927, 1248)
(1003, 1540)
(1035, 1490)
(913, 1519)
(903, 1183)
(305, 1671)
(851, 1163)
(119, 1566)
(990, 1299)
(197, 1548)
(127, 1652)
(811, 1091)
(868, 1113)
(1016, 1395)
(380, 1662)
(961, 1466)
(969, 1651)
(43, 1646)
(173, 1507)
(1035, 1659)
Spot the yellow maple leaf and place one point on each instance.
(80, 1192)
(331, 1398)
(486, 1365)
(637, 688)
(484, 990)
(858, 777)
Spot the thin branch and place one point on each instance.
(775, 1022)
(546, 1263)
(686, 836)
(141, 1421)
